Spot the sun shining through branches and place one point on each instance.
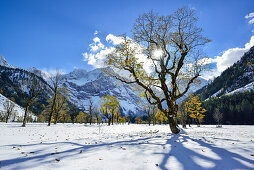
(172, 45)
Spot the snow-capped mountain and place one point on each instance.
(85, 85)
(3, 62)
(236, 79)
(43, 74)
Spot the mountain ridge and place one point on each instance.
(239, 75)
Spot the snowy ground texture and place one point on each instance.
(68, 146)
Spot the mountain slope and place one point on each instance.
(235, 77)
(19, 110)
(12, 78)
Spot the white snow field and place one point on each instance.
(79, 146)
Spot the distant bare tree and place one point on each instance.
(91, 109)
(73, 112)
(153, 113)
(14, 115)
(55, 82)
(147, 109)
(61, 104)
(1, 116)
(97, 115)
(218, 115)
(9, 109)
(30, 90)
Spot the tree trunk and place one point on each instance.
(25, 116)
(112, 118)
(52, 107)
(7, 117)
(183, 124)
(149, 119)
(90, 117)
(173, 125)
(109, 121)
(56, 118)
(117, 118)
(189, 121)
(198, 123)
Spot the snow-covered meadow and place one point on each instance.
(79, 146)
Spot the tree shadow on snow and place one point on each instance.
(189, 158)
(196, 159)
(50, 157)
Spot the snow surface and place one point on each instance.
(248, 87)
(79, 146)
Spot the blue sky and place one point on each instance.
(50, 34)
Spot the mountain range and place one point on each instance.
(85, 85)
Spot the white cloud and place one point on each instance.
(228, 58)
(96, 59)
(251, 17)
(205, 61)
(47, 73)
(96, 32)
(251, 21)
(98, 52)
(96, 45)
(114, 39)
(157, 53)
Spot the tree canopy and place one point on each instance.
(163, 58)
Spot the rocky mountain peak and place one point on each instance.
(3, 61)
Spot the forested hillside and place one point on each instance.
(12, 79)
(236, 76)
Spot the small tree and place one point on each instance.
(2, 116)
(9, 109)
(90, 110)
(81, 117)
(218, 115)
(31, 88)
(109, 107)
(148, 109)
(55, 83)
(97, 115)
(41, 118)
(153, 113)
(123, 119)
(65, 118)
(61, 105)
(73, 112)
(14, 115)
(193, 106)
